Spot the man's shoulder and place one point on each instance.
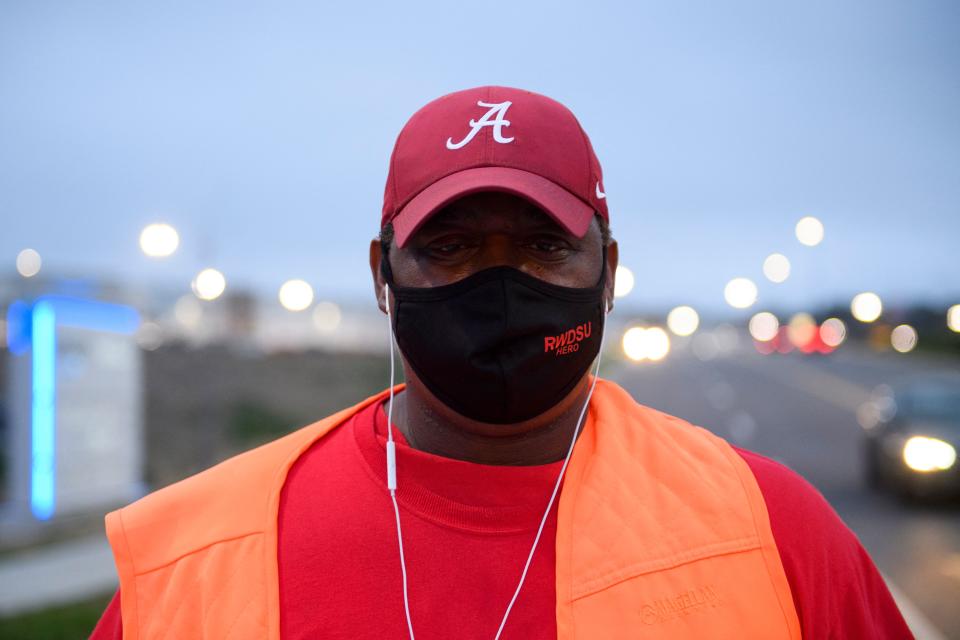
(783, 487)
(251, 470)
(836, 586)
(233, 499)
(620, 407)
(251, 467)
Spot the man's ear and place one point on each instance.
(613, 259)
(379, 285)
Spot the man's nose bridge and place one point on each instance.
(499, 250)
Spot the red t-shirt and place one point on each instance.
(467, 530)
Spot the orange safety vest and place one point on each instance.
(662, 532)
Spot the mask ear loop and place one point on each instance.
(392, 461)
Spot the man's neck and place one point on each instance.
(431, 427)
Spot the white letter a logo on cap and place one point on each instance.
(499, 111)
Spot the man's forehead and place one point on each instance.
(485, 210)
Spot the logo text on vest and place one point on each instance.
(499, 110)
(692, 601)
(568, 341)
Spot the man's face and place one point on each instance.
(495, 229)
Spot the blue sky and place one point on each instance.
(262, 132)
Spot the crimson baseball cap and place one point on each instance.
(493, 139)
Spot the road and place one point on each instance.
(800, 410)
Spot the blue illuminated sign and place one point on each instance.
(36, 326)
(44, 418)
(18, 327)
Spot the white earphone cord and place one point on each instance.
(392, 477)
(392, 465)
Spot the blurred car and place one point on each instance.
(912, 434)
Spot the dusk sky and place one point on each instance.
(262, 133)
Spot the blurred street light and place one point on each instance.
(833, 332)
(801, 330)
(296, 295)
(640, 343)
(159, 240)
(28, 263)
(953, 318)
(903, 338)
(776, 267)
(658, 344)
(809, 231)
(740, 293)
(683, 320)
(326, 317)
(632, 343)
(209, 284)
(623, 282)
(764, 326)
(866, 307)
(149, 336)
(188, 312)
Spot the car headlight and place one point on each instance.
(928, 454)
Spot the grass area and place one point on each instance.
(253, 424)
(66, 622)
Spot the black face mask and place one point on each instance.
(499, 346)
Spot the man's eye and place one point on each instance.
(447, 248)
(547, 246)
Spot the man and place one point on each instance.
(516, 495)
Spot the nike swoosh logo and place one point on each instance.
(600, 194)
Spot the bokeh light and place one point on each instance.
(764, 326)
(326, 317)
(683, 320)
(188, 312)
(296, 295)
(866, 307)
(28, 263)
(740, 293)
(658, 343)
(150, 336)
(623, 282)
(903, 338)
(833, 332)
(633, 344)
(209, 284)
(641, 343)
(924, 454)
(159, 240)
(801, 330)
(776, 267)
(953, 318)
(809, 231)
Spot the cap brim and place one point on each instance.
(572, 213)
